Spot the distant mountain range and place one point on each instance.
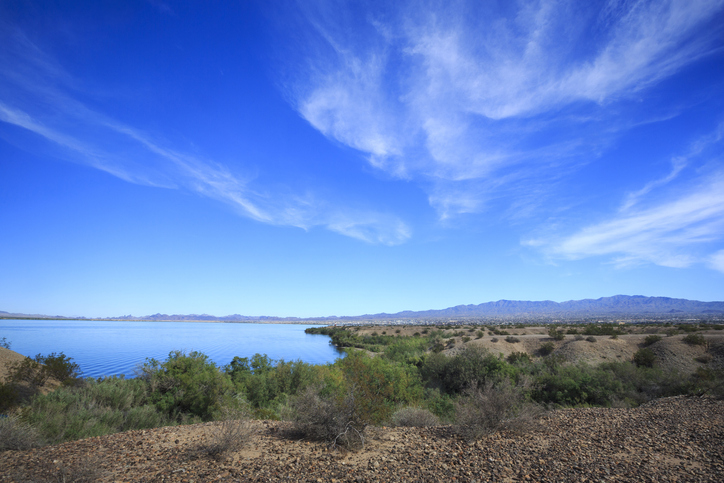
(618, 305)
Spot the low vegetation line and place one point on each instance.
(411, 376)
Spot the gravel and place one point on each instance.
(672, 439)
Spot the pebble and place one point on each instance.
(672, 439)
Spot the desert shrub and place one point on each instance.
(397, 331)
(466, 339)
(267, 383)
(93, 409)
(579, 337)
(344, 337)
(27, 371)
(4, 343)
(644, 357)
(326, 416)
(651, 339)
(603, 329)
(37, 371)
(494, 339)
(17, 435)
(546, 348)
(518, 358)
(474, 365)
(485, 409)
(379, 385)
(512, 339)
(60, 367)
(591, 339)
(407, 350)
(694, 339)
(480, 334)
(9, 396)
(707, 381)
(575, 385)
(231, 432)
(186, 384)
(439, 403)
(572, 331)
(414, 417)
(556, 334)
(705, 359)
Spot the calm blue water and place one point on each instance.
(111, 348)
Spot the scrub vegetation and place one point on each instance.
(400, 380)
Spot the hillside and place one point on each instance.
(672, 439)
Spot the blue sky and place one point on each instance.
(340, 158)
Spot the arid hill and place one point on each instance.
(673, 439)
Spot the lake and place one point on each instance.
(113, 348)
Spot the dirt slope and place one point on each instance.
(674, 439)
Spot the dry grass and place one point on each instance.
(231, 433)
(16, 435)
(486, 409)
(328, 418)
(414, 417)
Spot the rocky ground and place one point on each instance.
(673, 439)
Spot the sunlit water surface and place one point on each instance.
(112, 348)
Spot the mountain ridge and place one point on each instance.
(617, 305)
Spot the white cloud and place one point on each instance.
(83, 135)
(665, 234)
(669, 225)
(458, 93)
(716, 261)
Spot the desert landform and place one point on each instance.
(668, 439)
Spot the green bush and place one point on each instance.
(37, 371)
(694, 339)
(574, 385)
(591, 339)
(4, 343)
(94, 408)
(9, 396)
(518, 358)
(379, 385)
(60, 367)
(644, 357)
(546, 348)
(651, 339)
(512, 339)
(186, 384)
(474, 365)
(556, 334)
(266, 383)
(603, 329)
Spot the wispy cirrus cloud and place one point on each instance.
(459, 97)
(38, 97)
(671, 226)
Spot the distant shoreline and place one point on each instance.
(83, 319)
